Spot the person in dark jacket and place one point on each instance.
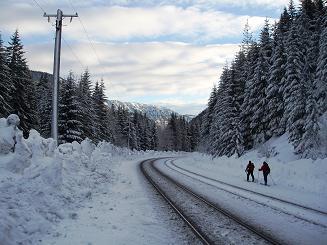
(265, 170)
(249, 170)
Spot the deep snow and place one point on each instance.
(75, 194)
(88, 194)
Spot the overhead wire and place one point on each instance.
(37, 4)
(72, 51)
(66, 42)
(91, 43)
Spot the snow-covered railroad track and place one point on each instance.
(210, 223)
(191, 174)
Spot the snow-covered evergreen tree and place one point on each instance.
(88, 115)
(103, 131)
(23, 92)
(259, 83)
(44, 106)
(294, 91)
(154, 137)
(70, 126)
(321, 73)
(310, 142)
(6, 85)
(207, 118)
(247, 105)
(274, 96)
(219, 115)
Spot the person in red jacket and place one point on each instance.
(265, 170)
(249, 170)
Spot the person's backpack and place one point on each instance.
(268, 169)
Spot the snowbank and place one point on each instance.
(287, 170)
(41, 184)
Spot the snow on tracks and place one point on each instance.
(239, 191)
(209, 222)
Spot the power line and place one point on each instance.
(37, 4)
(86, 33)
(74, 54)
(67, 44)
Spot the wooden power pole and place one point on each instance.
(56, 69)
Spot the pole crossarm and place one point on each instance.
(63, 15)
(56, 68)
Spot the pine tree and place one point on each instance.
(22, 95)
(103, 131)
(70, 126)
(231, 99)
(259, 83)
(247, 41)
(124, 126)
(207, 119)
(247, 105)
(291, 10)
(154, 137)
(88, 114)
(131, 134)
(219, 116)
(275, 102)
(6, 85)
(44, 107)
(310, 142)
(146, 134)
(321, 73)
(294, 92)
(194, 135)
(138, 130)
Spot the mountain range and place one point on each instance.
(159, 114)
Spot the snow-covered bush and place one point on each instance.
(8, 130)
(22, 156)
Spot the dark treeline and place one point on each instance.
(178, 135)
(273, 86)
(83, 112)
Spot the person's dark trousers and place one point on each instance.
(250, 173)
(265, 175)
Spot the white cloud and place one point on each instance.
(123, 23)
(202, 3)
(164, 72)
(150, 70)
(114, 23)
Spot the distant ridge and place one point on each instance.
(159, 114)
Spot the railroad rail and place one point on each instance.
(196, 228)
(246, 190)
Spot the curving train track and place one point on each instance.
(209, 222)
(298, 211)
(191, 173)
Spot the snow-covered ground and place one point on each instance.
(303, 180)
(88, 194)
(74, 194)
(124, 213)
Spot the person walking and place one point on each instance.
(265, 170)
(249, 170)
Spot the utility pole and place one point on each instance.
(56, 69)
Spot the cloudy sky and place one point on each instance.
(160, 52)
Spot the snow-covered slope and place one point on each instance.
(159, 114)
(42, 185)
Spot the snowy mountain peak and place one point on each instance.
(159, 114)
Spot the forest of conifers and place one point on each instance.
(275, 85)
